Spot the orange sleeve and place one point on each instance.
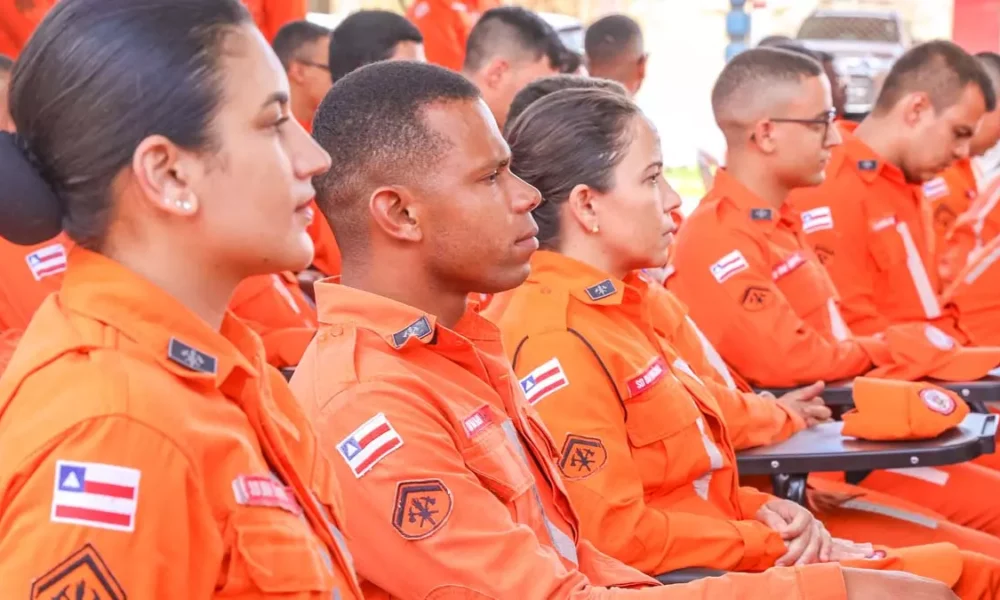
(479, 550)
(850, 264)
(18, 21)
(611, 502)
(769, 345)
(279, 12)
(815, 582)
(445, 31)
(173, 523)
(8, 343)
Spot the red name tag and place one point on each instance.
(477, 421)
(641, 382)
(791, 263)
(261, 490)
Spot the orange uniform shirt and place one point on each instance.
(18, 20)
(973, 230)
(644, 446)
(445, 26)
(976, 294)
(748, 277)
(451, 478)
(326, 258)
(271, 15)
(275, 307)
(877, 234)
(28, 274)
(144, 454)
(950, 195)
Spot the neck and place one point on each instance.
(588, 251)
(399, 281)
(203, 291)
(877, 134)
(757, 178)
(302, 108)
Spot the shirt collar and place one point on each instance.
(184, 344)
(584, 282)
(753, 208)
(400, 325)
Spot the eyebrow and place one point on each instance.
(279, 97)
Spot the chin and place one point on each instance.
(501, 281)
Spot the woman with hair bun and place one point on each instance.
(146, 448)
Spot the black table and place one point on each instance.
(823, 448)
(839, 394)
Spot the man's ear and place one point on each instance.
(166, 175)
(914, 106)
(296, 72)
(762, 134)
(495, 71)
(396, 213)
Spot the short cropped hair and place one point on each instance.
(368, 36)
(290, 39)
(751, 73)
(773, 41)
(509, 30)
(372, 124)
(540, 88)
(942, 70)
(610, 38)
(991, 63)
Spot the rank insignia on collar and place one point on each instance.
(867, 165)
(760, 214)
(419, 329)
(190, 358)
(601, 290)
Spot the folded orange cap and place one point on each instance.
(886, 409)
(916, 350)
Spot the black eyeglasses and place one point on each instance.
(825, 121)
(310, 63)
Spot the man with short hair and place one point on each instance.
(303, 49)
(838, 88)
(876, 237)
(369, 36)
(449, 473)
(614, 50)
(743, 267)
(509, 48)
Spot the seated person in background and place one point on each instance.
(509, 48)
(876, 234)
(453, 486)
(964, 199)
(643, 441)
(146, 449)
(615, 51)
(742, 266)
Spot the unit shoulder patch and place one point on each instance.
(84, 575)
(582, 456)
(757, 298)
(421, 508)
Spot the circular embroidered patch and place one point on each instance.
(938, 401)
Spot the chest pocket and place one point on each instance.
(886, 244)
(499, 465)
(276, 552)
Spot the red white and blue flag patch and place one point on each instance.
(935, 188)
(47, 261)
(729, 265)
(369, 444)
(95, 495)
(817, 219)
(543, 381)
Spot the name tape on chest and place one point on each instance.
(729, 265)
(478, 421)
(95, 495)
(794, 261)
(265, 491)
(544, 381)
(369, 444)
(649, 376)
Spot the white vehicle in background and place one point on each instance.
(571, 31)
(864, 44)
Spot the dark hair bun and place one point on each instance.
(30, 212)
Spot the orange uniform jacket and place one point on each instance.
(327, 254)
(144, 454)
(973, 230)
(877, 235)
(746, 274)
(28, 274)
(271, 15)
(275, 307)
(950, 195)
(644, 447)
(976, 294)
(451, 478)
(445, 26)
(18, 20)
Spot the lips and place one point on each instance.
(527, 236)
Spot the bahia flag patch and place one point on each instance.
(369, 444)
(729, 265)
(935, 188)
(47, 261)
(817, 219)
(543, 381)
(95, 495)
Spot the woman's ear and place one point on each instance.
(581, 205)
(165, 175)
